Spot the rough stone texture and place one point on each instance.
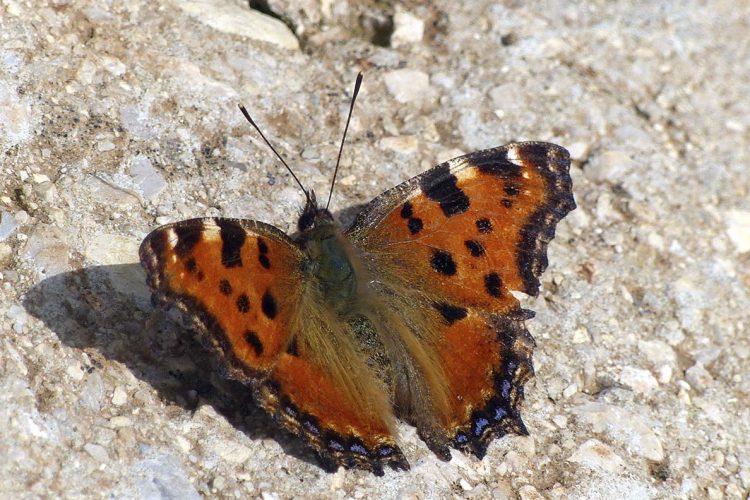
(118, 116)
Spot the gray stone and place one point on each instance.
(738, 229)
(626, 428)
(407, 85)
(159, 475)
(598, 456)
(232, 18)
(8, 225)
(17, 120)
(407, 29)
(698, 377)
(638, 380)
(149, 181)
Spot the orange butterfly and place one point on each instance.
(408, 313)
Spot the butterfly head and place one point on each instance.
(314, 216)
(315, 221)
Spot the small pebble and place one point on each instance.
(96, 452)
(407, 85)
(407, 29)
(698, 377)
(104, 146)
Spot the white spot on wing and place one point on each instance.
(466, 174)
(210, 230)
(513, 155)
(171, 238)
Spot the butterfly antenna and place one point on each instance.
(357, 84)
(248, 118)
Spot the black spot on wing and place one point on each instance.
(407, 210)
(443, 263)
(243, 303)
(415, 225)
(252, 339)
(484, 226)
(187, 238)
(511, 189)
(225, 288)
(506, 203)
(263, 259)
(439, 185)
(262, 246)
(476, 248)
(232, 239)
(191, 266)
(268, 305)
(451, 313)
(493, 284)
(262, 254)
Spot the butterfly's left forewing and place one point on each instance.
(237, 278)
(464, 234)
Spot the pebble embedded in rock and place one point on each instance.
(598, 456)
(96, 452)
(638, 380)
(407, 29)
(626, 428)
(230, 450)
(405, 144)
(609, 166)
(119, 396)
(738, 229)
(150, 182)
(407, 85)
(230, 17)
(8, 225)
(698, 377)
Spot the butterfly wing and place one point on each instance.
(243, 283)
(464, 234)
(236, 278)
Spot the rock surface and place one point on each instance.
(119, 116)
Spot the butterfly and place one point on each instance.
(406, 314)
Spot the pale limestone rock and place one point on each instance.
(638, 380)
(624, 427)
(404, 144)
(698, 377)
(598, 456)
(407, 85)
(230, 17)
(738, 229)
(407, 29)
(230, 450)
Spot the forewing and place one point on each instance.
(237, 278)
(464, 234)
(480, 223)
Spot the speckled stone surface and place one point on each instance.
(118, 116)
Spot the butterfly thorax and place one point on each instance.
(329, 259)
